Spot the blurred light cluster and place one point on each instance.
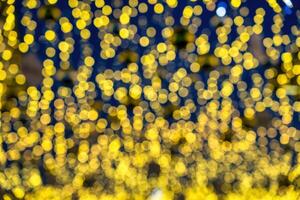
(149, 99)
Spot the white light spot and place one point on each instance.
(221, 11)
(156, 195)
(288, 3)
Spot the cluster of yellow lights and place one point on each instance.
(154, 129)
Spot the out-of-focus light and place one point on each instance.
(222, 4)
(221, 11)
(156, 195)
(287, 10)
(288, 3)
